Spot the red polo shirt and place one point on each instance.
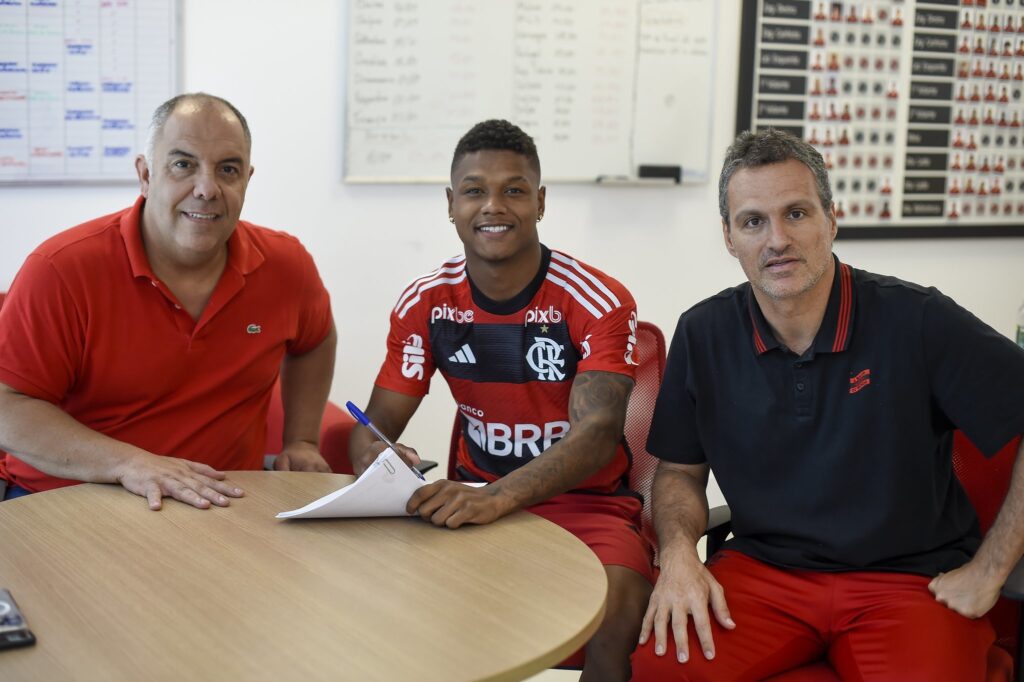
(88, 327)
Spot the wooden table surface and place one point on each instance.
(114, 591)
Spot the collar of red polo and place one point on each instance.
(836, 327)
(243, 255)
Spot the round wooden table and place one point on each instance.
(114, 591)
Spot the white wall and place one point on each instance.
(285, 71)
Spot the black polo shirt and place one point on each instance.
(840, 459)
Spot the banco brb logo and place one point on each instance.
(545, 358)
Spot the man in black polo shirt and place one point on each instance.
(824, 399)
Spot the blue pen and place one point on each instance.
(365, 421)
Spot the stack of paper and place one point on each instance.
(382, 490)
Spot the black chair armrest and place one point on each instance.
(1013, 588)
(719, 527)
(426, 465)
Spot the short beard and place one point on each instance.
(775, 294)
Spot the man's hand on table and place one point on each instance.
(155, 477)
(301, 456)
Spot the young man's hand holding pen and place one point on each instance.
(408, 455)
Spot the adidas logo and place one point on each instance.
(463, 356)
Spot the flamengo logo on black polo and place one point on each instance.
(860, 380)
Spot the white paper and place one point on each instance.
(382, 490)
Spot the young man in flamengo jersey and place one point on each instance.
(537, 349)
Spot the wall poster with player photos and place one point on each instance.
(915, 106)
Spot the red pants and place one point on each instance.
(608, 524)
(866, 625)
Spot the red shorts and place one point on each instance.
(867, 625)
(607, 524)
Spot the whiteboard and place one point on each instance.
(79, 80)
(603, 86)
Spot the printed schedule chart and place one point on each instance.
(78, 82)
(915, 106)
(605, 87)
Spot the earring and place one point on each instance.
(451, 219)
(540, 217)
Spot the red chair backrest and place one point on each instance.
(335, 428)
(649, 352)
(986, 481)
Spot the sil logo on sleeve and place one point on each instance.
(413, 357)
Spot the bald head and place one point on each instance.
(196, 101)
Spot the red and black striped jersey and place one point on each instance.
(510, 365)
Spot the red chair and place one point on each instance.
(651, 348)
(986, 481)
(649, 351)
(334, 432)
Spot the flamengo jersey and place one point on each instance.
(510, 365)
